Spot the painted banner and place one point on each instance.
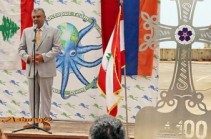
(75, 93)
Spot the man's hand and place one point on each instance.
(38, 58)
(29, 60)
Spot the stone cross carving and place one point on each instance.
(180, 112)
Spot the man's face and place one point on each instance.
(38, 18)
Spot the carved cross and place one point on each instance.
(180, 113)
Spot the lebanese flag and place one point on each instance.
(109, 78)
(145, 57)
(26, 7)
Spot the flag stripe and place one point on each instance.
(109, 13)
(26, 18)
(145, 58)
(131, 25)
(116, 50)
(122, 42)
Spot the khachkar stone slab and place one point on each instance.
(180, 112)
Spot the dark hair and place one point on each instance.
(107, 127)
(39, 9)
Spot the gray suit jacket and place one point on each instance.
(49, 47)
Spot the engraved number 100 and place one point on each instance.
(199, 129)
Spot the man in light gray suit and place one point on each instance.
(47, 46)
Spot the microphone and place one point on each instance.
(35, 27)
(35, 30)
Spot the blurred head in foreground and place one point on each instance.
(107, 127)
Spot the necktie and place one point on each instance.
(38, 36)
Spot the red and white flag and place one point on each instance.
(110, 76)
(14, 17)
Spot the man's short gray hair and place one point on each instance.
(39, 9)
(107, 127)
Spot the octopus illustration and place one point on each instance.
(71, 59)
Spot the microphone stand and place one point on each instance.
(34, 125)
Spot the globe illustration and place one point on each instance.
(68, 32)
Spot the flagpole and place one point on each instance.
(125, 82)
(120, 2)
(127, 130)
